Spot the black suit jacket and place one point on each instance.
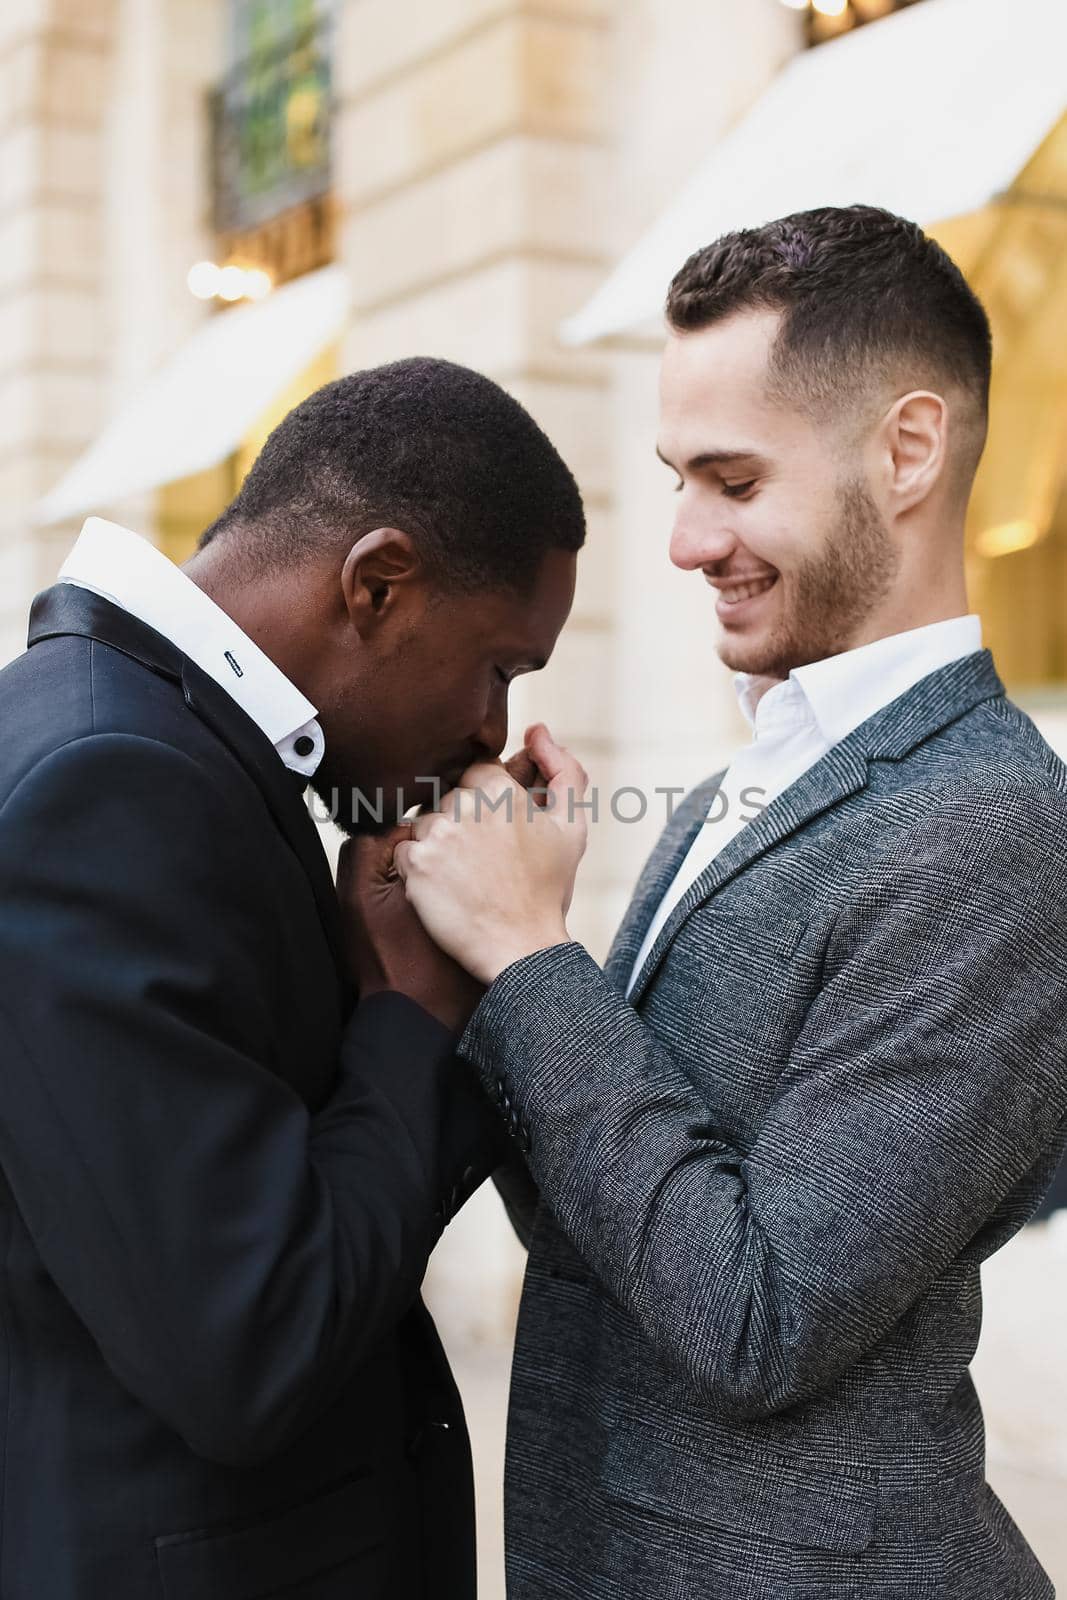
(219, 1183)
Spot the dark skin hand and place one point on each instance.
(386, 944)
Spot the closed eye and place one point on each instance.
(732, 491)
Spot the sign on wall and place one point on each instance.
(271, 114)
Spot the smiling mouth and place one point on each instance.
(732, 594)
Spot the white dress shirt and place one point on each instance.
(131, 573)
(796, 721)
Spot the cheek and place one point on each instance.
(767, 533)
(462, 705)
(786, 529)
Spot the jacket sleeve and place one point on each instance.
(233, 1256)
(519, 1193)
(929, 1080)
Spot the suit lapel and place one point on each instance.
(838, 775)
(66, 609)
(656, 878)
(892, 733)
(283, 793)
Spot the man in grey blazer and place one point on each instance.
(822, 1076)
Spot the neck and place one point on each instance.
(921, 595)
(263, 607)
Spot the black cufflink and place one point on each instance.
(304, 745)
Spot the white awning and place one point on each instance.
(931, 112)
(196, 410)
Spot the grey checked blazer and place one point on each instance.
(770, 1177)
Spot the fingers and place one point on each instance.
(561, 769)
(402, 861)
(408, 854)
(422, 827)
(367, 856)
(523, 769)
(488, 776)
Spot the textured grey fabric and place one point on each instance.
(769, 1180)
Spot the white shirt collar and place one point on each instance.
(131, 573)
(842, 691)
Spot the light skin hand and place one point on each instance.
(492, 872)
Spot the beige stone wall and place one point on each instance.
(681, 75)
(103, 207)
(55, 62)
(157, 211)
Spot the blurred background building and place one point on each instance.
(210, 207)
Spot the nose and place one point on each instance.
(700, 542)
(492, 736)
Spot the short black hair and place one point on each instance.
(425, 445)
(863, 294)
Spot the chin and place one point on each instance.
(429, 794)
(356, 808)
(759, 657)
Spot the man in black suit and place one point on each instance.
(221, 1177)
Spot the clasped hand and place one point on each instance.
(491, 872)
(488, 877)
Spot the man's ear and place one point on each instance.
(375, 572)
(915, 435)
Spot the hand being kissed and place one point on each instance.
(490, 883)
(491, 873)
(386, 944)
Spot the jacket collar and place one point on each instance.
(891, 734)
(66, 609)
(123, 567)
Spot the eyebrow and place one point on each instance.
(715, 458)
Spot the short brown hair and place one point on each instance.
(863, 293)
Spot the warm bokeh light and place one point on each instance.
(830, 8)
(257, 283)
(231, 283)
(1007, 538)
(203, 280)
